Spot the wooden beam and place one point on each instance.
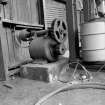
(64, 1)
(13, 72)
(3, 2)
(17, 24)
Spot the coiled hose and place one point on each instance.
(71, 86)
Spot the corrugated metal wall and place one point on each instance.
(52, 10)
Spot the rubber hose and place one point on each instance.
(72, 87)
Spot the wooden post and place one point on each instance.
(3, 54)
(71, 30)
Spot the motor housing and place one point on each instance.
(45, 48)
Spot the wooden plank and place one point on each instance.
(23, 11)
(7, 10)
(14, 10)
(28, 11)
(10, 44)
(12, 72)
(34, 12)
(19, 64)
(21, 53)
(22, 24)
(3, 54)
(64, 1)
(1, 11)
(20, 10)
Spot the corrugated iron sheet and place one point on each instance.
(52, 10)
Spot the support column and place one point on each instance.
(72, 31)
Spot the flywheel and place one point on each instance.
(60, 30)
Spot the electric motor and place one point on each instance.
(45, 48)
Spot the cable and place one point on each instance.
(73, 75)
(83, 67)
(100, 68)
(71, 86)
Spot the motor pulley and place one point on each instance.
(60, 49)
(59, 28)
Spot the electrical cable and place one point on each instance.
(83, 67)
(71, 86)
(87, 76)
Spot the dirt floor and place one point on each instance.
(24, 92)
(20, 91)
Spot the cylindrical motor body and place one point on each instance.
(93, 41)
(43, 48)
